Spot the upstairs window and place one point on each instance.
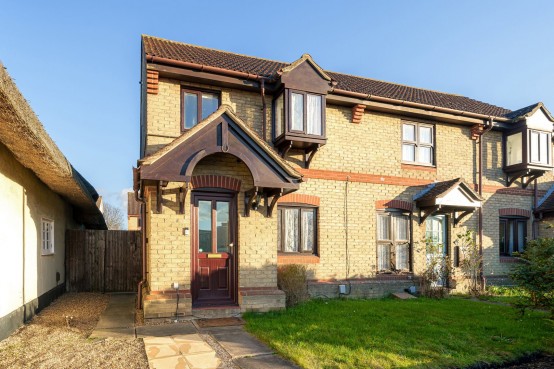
(47, 236)
(197, 106)
(418, 143)
(539, 147)
(393, 242)
(513, 232)
(297, 229)
(303, 116)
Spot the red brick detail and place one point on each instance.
(357, 113)
(418, 167)
(394, 204)
(476, 131)
(213, 181)
(300, 199)
(152, 81)
(284, 259)
(514, 212)
(399, 181)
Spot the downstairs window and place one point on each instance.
(297, 229)
(393, 242)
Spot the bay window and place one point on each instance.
(298, 114)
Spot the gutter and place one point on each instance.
(358, 95)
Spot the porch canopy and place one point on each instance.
(453, 197)
(221, 132)
(545, 206)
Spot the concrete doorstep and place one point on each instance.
(181, 345)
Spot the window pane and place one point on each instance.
(425, 155)
(383, 257)
(425, 135)
(521, 232)
(383, 227)
(222, 224)
(314, 115)
(401, 228)
(205, 226)
(511, 236)
(408, 152)
(502, 238)
(543, 150)
(402, 261)
(210, 104)
(534, 147)
(408, 132)
(291, 230)
(514, 153)
(279, 223)
(279, 116)
(297, 112)
(308, 230)
(190, 110)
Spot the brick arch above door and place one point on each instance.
(215, 181)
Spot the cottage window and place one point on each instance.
(540, 141)
(393, 242)
(297, 229)
(197, 106)
(513, 232)
(418, 143)
(47, 236)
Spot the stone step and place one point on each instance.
(216, 312)
(403, 296)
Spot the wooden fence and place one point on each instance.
(103, 261)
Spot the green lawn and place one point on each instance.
(389, 333)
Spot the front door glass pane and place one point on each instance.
(209, 104)
(205, 226)
(297, 112)
(291, 230)
(191, 110)
(222, 224)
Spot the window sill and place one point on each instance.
(417, 166)
(510, 259)
(297, 258)
(47, 254)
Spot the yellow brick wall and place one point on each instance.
(371, 147)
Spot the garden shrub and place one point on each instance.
(292, 280)
(470, 261)
(434, 278)
(535, 275)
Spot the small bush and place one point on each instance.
(292, 279)
(470, 261)
(434, 278)
(536, 274)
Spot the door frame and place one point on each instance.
(233, 226)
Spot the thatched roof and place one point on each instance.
(23, 134)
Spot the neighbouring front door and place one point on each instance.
(214, 249)
(437, 248)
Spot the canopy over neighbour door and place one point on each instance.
(221, 132)
(453, 197)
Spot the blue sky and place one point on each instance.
(77, 62)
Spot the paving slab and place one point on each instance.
(165, 330)
(207, 360)
(265, 362)
(403, 296)
(114, 333)
(172, 362)
(239, 343)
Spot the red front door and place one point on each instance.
(213, 249)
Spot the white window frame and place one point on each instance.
(47, 236)
(418, 144)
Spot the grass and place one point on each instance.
(389, 333)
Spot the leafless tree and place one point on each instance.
(113, 216)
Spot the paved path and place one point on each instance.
(185, 345)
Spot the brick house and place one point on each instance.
(247, 164)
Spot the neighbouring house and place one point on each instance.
(134, 220)
(247, 164)
(42, 196)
